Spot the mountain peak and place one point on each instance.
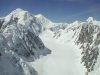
(18, 9)
(46, 23)
(90, 19)
(21, 14)
(39, 15)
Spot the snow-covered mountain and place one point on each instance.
(43, 21)
(85, 35)
(19, 43)
(23, 38)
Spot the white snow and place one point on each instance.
(90, 19)
(46, 23)
(64, 60)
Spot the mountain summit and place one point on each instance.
(90, 19)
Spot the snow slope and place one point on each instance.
(64, 60)
(68, 56)
(86, 36)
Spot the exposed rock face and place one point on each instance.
(85, 35)
(20, 44)
(88, 43)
